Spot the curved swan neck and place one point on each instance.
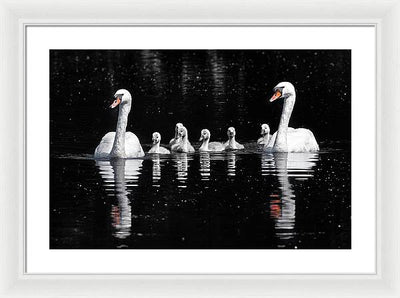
(204, 145)
(281, 137)
(156, 146)
(185, 138)
(266, 138)
(232, 140)
(118, 149)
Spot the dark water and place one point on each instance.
(243, 199)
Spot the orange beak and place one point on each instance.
(116, 102)
(276, 95)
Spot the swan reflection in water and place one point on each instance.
(118, 176)
(205, 164)
(181, 165)
(205, 159)
(283, 206)
(156, 169)
(231, 166)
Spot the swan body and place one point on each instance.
(298, 140)
(120, 144)
(288, 139)
(156, 145)
(231, 144)
(183, 144)
(207, 145)
(132, 144)
(264, 135)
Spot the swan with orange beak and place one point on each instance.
(288, 139)
(121, 143)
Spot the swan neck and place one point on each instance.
(156, 146)
(185, 139)
(118, 149)
(204, 145)
(281, 137)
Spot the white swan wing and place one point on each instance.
(132, 146)
(164, 150)
(180, 147)
(301, 140)
(173, 141)
(236, 146)
(298, 140)
(216, 146)
(161, 150)
(104, 148)
(239, 146)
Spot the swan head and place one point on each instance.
(264, 129)
(205, 135)
(182, 132)
(122, 97)
(178, 125)
(282, 90)
(156, 138)
(231, 132)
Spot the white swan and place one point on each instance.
(120, 144)
(183, 144)
(264, 135)
(231, 144)
(156, 138)
(176, 138)
(288, 139)
(207, 145)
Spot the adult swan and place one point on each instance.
(288, 139)
(120, 144)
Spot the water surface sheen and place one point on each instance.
(243, 199)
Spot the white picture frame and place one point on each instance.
(14, 16)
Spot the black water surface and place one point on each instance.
(204, 200)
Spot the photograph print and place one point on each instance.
(200, 149)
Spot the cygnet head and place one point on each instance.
(182, 132)
(156, 138)
(231, 132)
(205, 135)
(264, 129)
(177, 126)
(121, 97)
(283, 90)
